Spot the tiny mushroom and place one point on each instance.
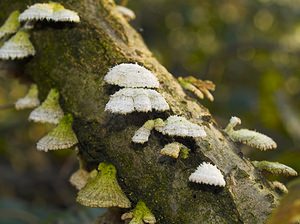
(279, 186)
(17, 47)
(207, 173)
(103, 190)
(128, 100)
(11, 25)
(180, 126)
(79, 178)
(50, 110)
(61, 137)
(173, 150)
(249, 137)
(275, 168)
(140, 214)
(127, 13)
(142, 134)
(131, 76)
(49, 11)
(31, 99)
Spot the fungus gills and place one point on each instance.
(50, 110)
(61, 137)
(248, 137)
(140, 214)
(31, 99)
(17, 47)
(103, 190)
(173, 150)
(11, 25)
(275, 168)
(49, 11)
(131, 76)
(207, 173)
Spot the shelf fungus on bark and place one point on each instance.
(140, 214)
(61, 137)
(30, 100)
(128, 100)
(275, 168)
(174, 149)
(11, 25)
(199, 87)
(79, 178)
(249, 137)
(51, 11)
(17, 47)
(207, 173)
(127, 13)
(279, 186)
(50, 110)
(180, 126)
(142, 134)
(131, 76)
(103, 190)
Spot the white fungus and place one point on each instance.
(207, 173)
(127, 13)
(31, 99)
(180, 126)
(128, 100)
(132, 76)
(142, 134)
(172, 149)
(249, 137)
(49, 11)
(17, 47)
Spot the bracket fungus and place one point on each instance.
(249, 137)
(199, 87)
(131, 76)
(207, 173)
(17, 47)
(180, 126)
(79, 178)
(61, 137)
(11, 25)
(128, 100)
(127, 13)
(142, 134)
(103, 190)
(30, 100)
(140, 214)
(50, 110)
(49, 11)
(173, 150)
(279, 186)
(275, 168)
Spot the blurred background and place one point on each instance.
(248, 48)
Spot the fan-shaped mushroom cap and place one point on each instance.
(11, 25)
(128, 100)
(180, 126)
(275, 168)
(79, 178)
(131, 76)
(31, 99)
(140, 214)
(207, 173)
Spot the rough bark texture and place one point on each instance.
(74, 58)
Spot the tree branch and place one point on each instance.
(74, 59)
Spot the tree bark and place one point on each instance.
(75, 58)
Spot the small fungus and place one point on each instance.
(249, 137)
(280, 186)
(131, 76)
(207, 173)
(275, 168)
(50, 110)
(128, 100)
(142, 134)
(103, 190)
(49, 11)
(11, 25)
(180, 126)
(61, 137)
(140, 214)
(173, 150)
(79, 178)
(127, 13)
(17, 47)
(199, 87)
(31, 99)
